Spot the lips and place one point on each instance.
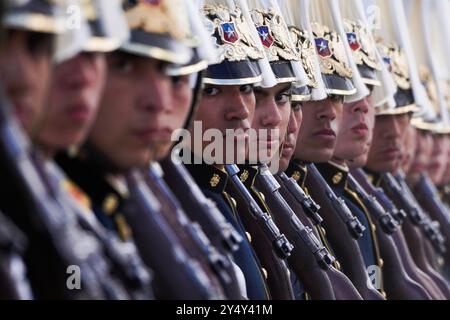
(80, 112)
(152, 135)
(391, 153)
(360, 129)
(326, 133)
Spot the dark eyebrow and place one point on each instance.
(261, 91)
(288, 88)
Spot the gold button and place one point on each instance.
(380, 263)
(249, 236)
(110, 204)
(337, 264)
(264, 271)
(233, 201)
(263, 197)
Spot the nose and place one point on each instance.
(238, 109)
(17, 74)
(155, 94)
(292, 125)
(392, 128)
(327, 111)
(271, 114)
(361, 106)
(80, 71)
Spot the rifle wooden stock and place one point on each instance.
(342, 241)
(321, 190)
(217, 265)
(280, 243)
(387, 223)
(411, 281)
(415, 238)
(342, 286)
(199, 208)
(310, 207)
(397, 213)
(178, 275)
(267, 184)
(427, 196)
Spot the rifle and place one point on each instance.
(12, 268)
(309, 205)
(179, 276)
(200, 245)
(429, 227)
(321, 190)
(427, 195)
(34, 204)
(412, 284)
(280, 243)
(384, 219)
(304, 240)
(199, 208)
(378, 193)
(343, 229)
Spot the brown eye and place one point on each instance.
(282, 97)
(121, 64)
(296, 107)
(211, 91)
(247, 88)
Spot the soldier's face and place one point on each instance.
(354, 131)
(25, 71)
(295, 121)
(75, 94)
(317, 136)
(137, 115)
(273, 108)
(438, 160)
(409, 148)
(424, 149)
(227, 107)
(385, 151)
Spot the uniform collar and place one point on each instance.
(209, 176)
(247, 174)
(297, 171)
(373, 177)
(95, 183)
(335, 175)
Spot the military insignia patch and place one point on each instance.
(353, 41)
(398, 64)
(214, 180)
(322, 47)
(264, 35)
(361, 43)
(274, 35)
(337, 177)
(305, 48)
(331, 51)
(230, 34)
(244, 176)
(296, 175)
